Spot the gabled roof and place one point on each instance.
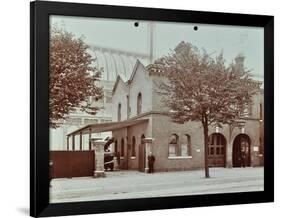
(137, 64)
(119, 79)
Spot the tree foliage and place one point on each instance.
(72, 79)
(202, 88)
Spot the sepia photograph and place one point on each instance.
(144, 109)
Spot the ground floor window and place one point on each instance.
(122, 147)
(173, 145)
(186, 145)
(115, 148)
(133, 146)
(179, 147)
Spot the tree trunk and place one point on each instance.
(206, 142)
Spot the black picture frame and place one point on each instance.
(39, 130)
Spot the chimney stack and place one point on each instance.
(239, 62)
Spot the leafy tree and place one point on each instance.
(201, 88)
(72, 78)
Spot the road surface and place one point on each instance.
(134, 184)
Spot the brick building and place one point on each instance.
(140, 124)
(178, 146)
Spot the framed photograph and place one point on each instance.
(142, 109)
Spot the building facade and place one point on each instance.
(177, 146)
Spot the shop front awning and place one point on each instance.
(106, 127)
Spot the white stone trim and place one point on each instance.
(179, 157)
(133, 158)
(99, 171)
(122, 158)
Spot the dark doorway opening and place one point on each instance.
(241, 151)
(142, 155)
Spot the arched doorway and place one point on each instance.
(241, 145)
(217, 150)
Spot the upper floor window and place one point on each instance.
(246, 110)
(119, 112)
(139, 104)
(128, 107)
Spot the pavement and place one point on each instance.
(134, 184)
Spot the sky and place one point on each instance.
(122, 34)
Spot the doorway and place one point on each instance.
(217, 150)
(241, 143)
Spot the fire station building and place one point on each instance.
(141, 124)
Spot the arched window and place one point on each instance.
(139, 104)
(173, 145)
(133, 146)
(116, 147)
(186, 145)
(119, 112)
(122, 147)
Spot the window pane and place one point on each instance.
(173, 139)
(172, 150)
(213, 140)
(173, 145)
(184, 150)
(222, 150)
(218, 150)
(212, 150)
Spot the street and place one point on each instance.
(134, 184)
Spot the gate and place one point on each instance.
(142, 158)
(67, 164)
